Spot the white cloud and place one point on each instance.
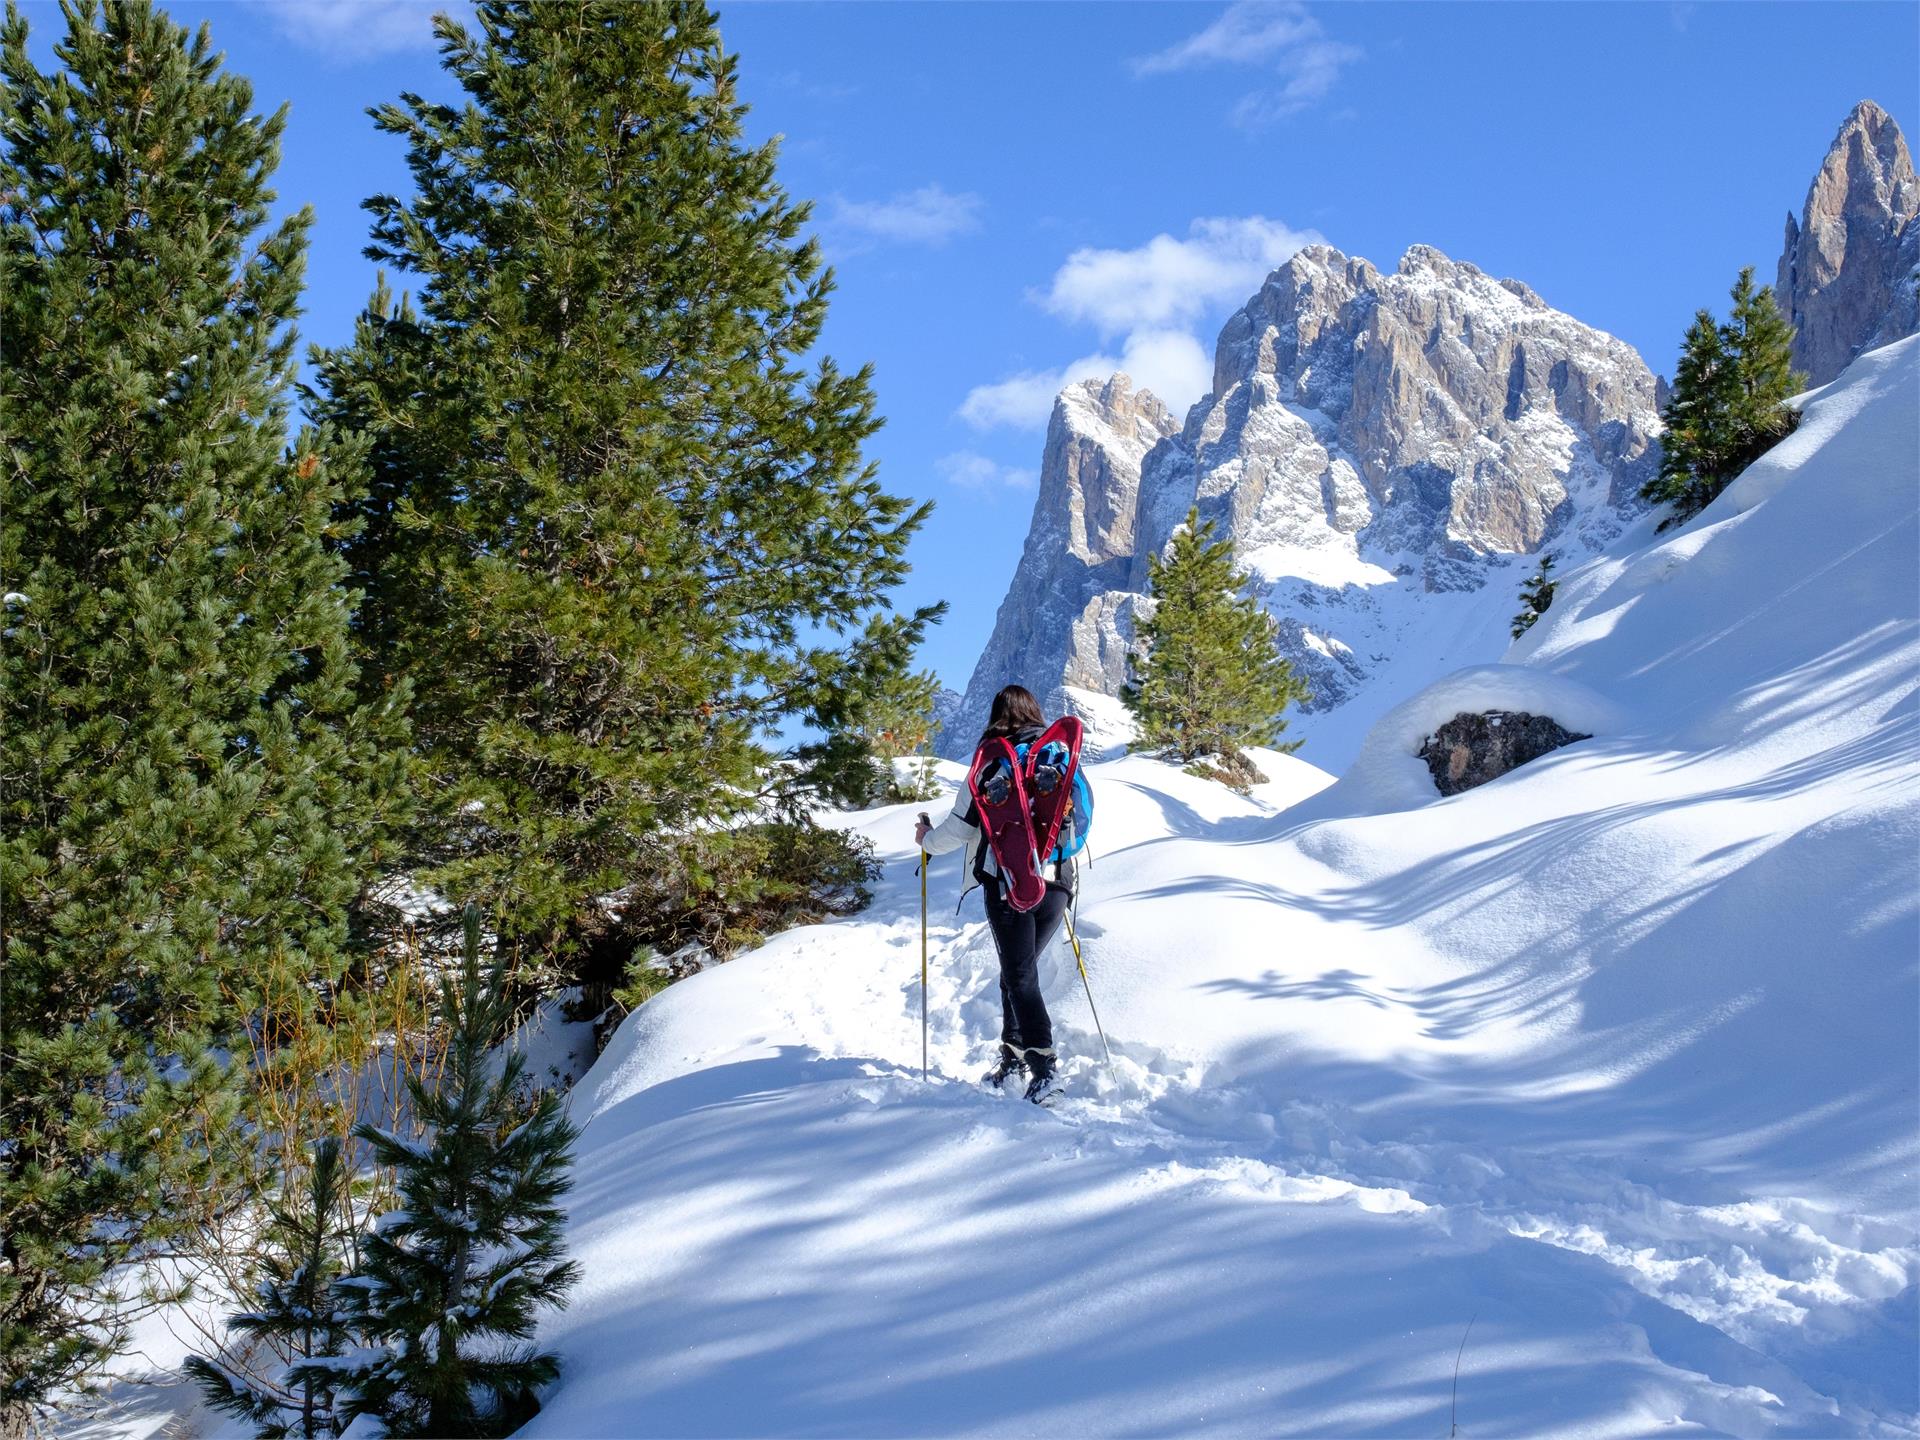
(1151, 296)
(973, 471)
(930, 215)
(1248, 32)
(1283, 36)
(363, 29)
(1310, 73)
(1171, 363)
(1025, 400)
(1172, 282)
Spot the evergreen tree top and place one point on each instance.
(1208, 678)
(621, 507)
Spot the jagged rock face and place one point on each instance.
(1847, 271)
(1432, 416)
(1376, 445)
(1373, 433)
(1065, 620)
(1470, 750)
(946, 707)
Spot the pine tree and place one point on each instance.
(1759, 345)
(1208, 676)
(1696, 443)
(898, 724)
(1536, 595)
(449, 1285)
(620, 511)
(1728, 402)
(298, 1318)
(190, 790)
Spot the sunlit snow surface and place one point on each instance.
(1613, 1058)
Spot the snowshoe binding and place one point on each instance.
(1051, 762)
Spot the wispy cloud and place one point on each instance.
(1169, 281)
(362, 29)
(1024, 400)
(1281, 35)
(1149, 297)
(973, 471)
(930, 215)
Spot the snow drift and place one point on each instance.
(1613, 1059)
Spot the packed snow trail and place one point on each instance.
(1613, 1058)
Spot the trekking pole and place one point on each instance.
(1089, 989)
(923, 957)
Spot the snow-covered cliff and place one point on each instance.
(1065, 618)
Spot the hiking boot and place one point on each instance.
(1011, 1062)
(1045, 1083)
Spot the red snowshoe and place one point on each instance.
(1022, 796)
(1000, 799)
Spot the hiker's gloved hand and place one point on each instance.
(920, 829)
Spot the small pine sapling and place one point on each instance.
(1208, 677)
(1536, 595)
(298, 1326)
(450, 1284)
(1728, 405)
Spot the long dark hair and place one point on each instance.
(1014, 710)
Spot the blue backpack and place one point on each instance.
(1072, 838)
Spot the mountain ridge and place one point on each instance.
(1372, 436)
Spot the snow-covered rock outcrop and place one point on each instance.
(1613, 1057)
(1848, 270)
(1384, 449)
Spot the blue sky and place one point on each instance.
(1013, 192)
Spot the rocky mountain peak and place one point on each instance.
(1099, 433)
(1438, 408)
(1371, 438)
(1846, 274)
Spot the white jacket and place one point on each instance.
(962, 827)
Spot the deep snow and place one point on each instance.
(1613, 1059)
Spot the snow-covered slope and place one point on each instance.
(1612, 1060)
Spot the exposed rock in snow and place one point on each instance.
(1066, 619)
(1847, 271)
(1470, 750)
(1383, 450)
(1388, 773)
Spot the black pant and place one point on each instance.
(1020, 936)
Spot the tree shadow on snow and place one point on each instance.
(836, 1252)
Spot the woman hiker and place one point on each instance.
(1026, 1032)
